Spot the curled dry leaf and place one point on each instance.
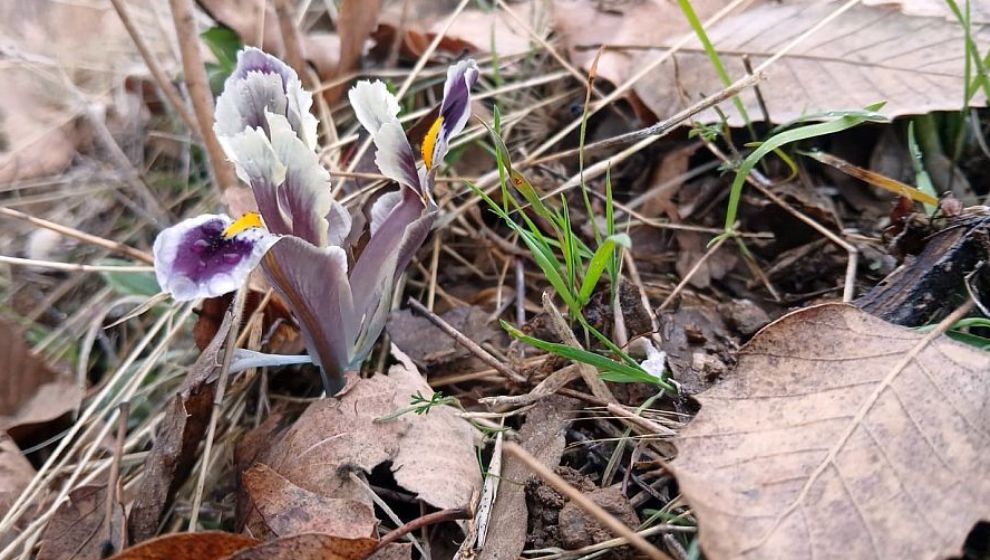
(34, 392)
(432, 455)
(309, 546)
(286, 509)
(840, 436)
(78, 530)
(205, 545)
(859, 58)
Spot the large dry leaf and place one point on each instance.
(432, 455)
(862, 57)
(286, 509)
(583, 25)
(78, 530)
(205, 545)
(841, 436)
(34, 392)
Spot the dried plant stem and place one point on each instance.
(690, 273)
(644, 424)
(466, 342)
(291, 41)
(617, 527)
(124, 410)
(236, 308)
(199, 90)
(74, 267)
(164, 84)
(67, 231)
(423, 521)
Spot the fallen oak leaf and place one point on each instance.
(287, 509)
(841, 436)
(205, 545)
(859, 58)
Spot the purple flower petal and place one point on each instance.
(314, 283)
(396, 239)
(194, 260)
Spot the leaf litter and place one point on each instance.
(807, 434)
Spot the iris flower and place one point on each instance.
(298, 236)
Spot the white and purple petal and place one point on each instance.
(258, 165)
(339, 224)
(455, 109)
(193, 259)
(395, 157)
(261, 83)
(373, 105)
(305, 193)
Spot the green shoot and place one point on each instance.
(716, 61)
(610, 370)
(921, 177)
(844, 120)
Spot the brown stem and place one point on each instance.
(199, 90)
(605, 518)
(466, 342)
(420, 522)
(164, 84)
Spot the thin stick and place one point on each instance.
(74, 267)
(67, 231)
(236, 308)
(617, 527)
(423, 521)
(164, 84)
(466, 342)
(690, 274)
(199, 90)
(112, 494)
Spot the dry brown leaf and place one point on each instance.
(205, 545)
(393, 551)
(78, 530)
(432, 455)
(85, 40)
(15, 474)
(309, 546)
(859, 58)
(287, 509)
(840, 436)
(34, 392)
(355, 22)
(178, 437)
(585, 24)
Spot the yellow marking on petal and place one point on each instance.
(430, 142)
(247, 221)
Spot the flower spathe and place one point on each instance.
(264, 125)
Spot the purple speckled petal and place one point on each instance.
(194, 260)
